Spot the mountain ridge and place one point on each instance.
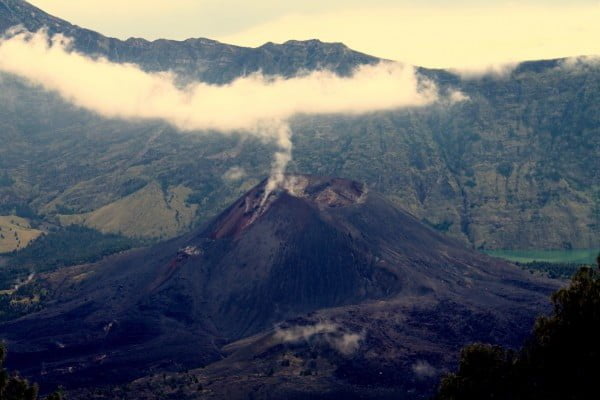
(193, 58)
(34, 18)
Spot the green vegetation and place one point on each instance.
(5, 180)
(20, 210)
(504, 169)
(560, 360)
(72, 245)
(442, 226)
(15, 304)
(131, 186)
(579, 256)
(13, 387)
(64, 210)
(552, 270)
(68, 246)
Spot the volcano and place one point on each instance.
(316, 249)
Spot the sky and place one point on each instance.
(431, 33)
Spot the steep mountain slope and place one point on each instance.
(316, 244)
(499, 170)
(515, 166)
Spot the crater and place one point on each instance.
(322, 192)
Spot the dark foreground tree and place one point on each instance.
(561, 360)
(13, 387)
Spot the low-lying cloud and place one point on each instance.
(499, 70)
(256, 105)
(504, 70)
(126, 91)
(580, 64)
(423, 370)
(234, 174)
(333, 334)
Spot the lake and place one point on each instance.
(576, 256)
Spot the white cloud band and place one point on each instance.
(257, 105)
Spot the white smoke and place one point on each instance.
(234, 174)
(20, 284)
(423, 370)
(456, 96)
(255, 105)
(281, 158)
(333, 334)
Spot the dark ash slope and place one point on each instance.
(317, 244)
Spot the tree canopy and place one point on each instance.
(561, 359)
(14, 387)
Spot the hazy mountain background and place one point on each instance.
(516, 166)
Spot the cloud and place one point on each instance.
(344, 342)
(456, 96)
(125, 91)
(423, 370)
(503, 70)
(499, 70)
(254, 105)
(234, 174)
(18, 285)
(579, 64)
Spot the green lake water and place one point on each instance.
(577, 256)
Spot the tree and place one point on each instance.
(13, 387)
(560, 361)
(483, 373)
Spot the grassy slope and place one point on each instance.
(16, 233)
(147, 213)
